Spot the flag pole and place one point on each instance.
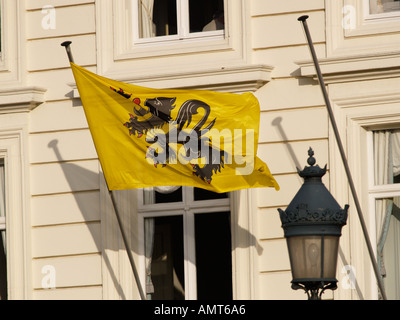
(343, 155)
(128, 250)
(67, 44)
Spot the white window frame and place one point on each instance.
(205, 60)
(188, 208)
(17, 235)
(12, 42)
(351, 29)
(376, 192)
(15, 105)
(244, 247)
(378, 17)
(210, 63)
(360, 109)
(182, 8)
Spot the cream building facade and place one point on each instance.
(60, 238)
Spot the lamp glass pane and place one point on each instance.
(331, 246)
(305, 256)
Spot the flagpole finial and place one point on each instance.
(67, 45)
(303, 18)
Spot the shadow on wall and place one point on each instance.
(251, 240)
(277, 122)
(76, 176)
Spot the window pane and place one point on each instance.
(382, 6)
(213, 256)
(151, 196)
(388, 244)
(175, 196)
(167, 269)
(202, 194)
(157, 18)
(206, 15)
(386, 157)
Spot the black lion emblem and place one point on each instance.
(156, 113)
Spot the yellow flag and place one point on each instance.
(155, 137)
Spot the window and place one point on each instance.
(381, 11)
(162, 20)
(187, 244)
(359, 27)
(180, 54)
(385, 200)
(383, 6)
(15, 257)
(3, 250)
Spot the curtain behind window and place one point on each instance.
(149, 198)
(146, 26)
(387, 171)
(383, 162)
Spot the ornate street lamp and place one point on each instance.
(312, 225)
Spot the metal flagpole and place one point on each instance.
(67, 44)
(343, 155)
(127, 247)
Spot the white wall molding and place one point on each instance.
(21, 99)
(231, 79)
(355, 67)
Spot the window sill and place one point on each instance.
(354, 68)
(230, 79)
(21, 99)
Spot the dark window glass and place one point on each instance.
(206, 15)
(175, 196)
(213, 256)
(202, 194)
(164, 17)
(167, 270)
